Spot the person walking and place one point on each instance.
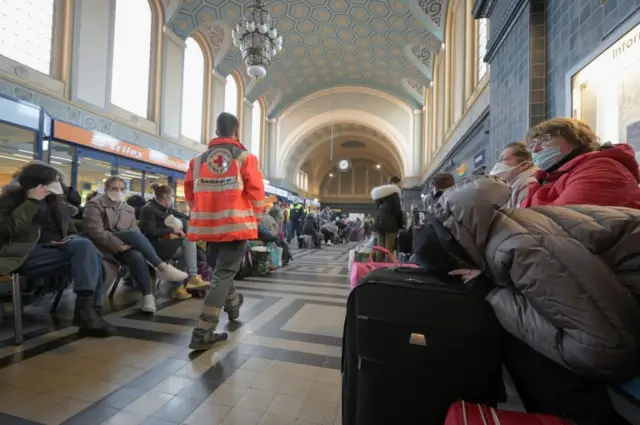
(225, 190)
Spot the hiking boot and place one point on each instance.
(169, 273)
(203, 340)
(180, 293)
(234, 311)
(196, 282)
(89, 321)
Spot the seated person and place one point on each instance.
(268, 219)
(312, 228)
(329, 232)
(37, 239)
(111, 224)
(565, 288)
(156, 218)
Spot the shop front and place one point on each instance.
(604, 91)
(88, 158)
(280, 194)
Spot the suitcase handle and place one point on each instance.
(384, 251)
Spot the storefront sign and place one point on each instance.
(104, 142)
(478, 160)
(462, 169)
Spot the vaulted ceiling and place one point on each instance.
(387, 45)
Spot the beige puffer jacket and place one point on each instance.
(568, 277)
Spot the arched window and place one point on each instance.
(231, 96)
(192, 90)
(303, 180)
(256, 129)
(483, 38)
(26, 30)
(132, 56)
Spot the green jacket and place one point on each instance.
(18, 231)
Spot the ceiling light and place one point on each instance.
(330, 174)
(378, 166)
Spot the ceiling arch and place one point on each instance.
(289, 145)
(432, 14)
(328, 43)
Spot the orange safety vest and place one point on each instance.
(225, 187)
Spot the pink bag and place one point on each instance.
(360, 270)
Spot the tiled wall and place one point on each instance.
(574, 29)
(58, 109)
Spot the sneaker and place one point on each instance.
(203, 340)
(148, 304)
(196, 282)
(180, 293)
(234, 311)
(329, 243)
(171, 274)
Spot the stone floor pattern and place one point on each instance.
(280, 366)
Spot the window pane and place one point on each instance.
(133, 178)
(256, 129)
(483, 38)
(192, 91)
(91, 176)
(16, 150)
(153, 178)
(180, 201)
(231, 96)
(131, 56)
(26, 28)
(61, 157)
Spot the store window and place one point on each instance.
(180, 201)
(231, 96)
(91, 176)
(256, 129)
(132, 56)
(61, 157)
(606, 93)
(17, 147)
(26, 30)
(483, 39)
(133, 179)
(151, 178)
(192, 91)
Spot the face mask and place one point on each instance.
(55, 188)
(502, 170)
(547, 157)
(116, 195)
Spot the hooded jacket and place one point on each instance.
(568, 278)
(389, 218)
(604, 177)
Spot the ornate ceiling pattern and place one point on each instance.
(328, 43)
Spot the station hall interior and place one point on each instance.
(343, 95)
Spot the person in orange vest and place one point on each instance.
(225, 189)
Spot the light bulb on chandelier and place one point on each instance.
(258, 39)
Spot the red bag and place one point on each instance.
(361, 269)
(463, 413)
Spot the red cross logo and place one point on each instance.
(219, 161)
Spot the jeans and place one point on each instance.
(137, 257)
(287, 230)
(78, 258)
(225, 258)
(188, 261)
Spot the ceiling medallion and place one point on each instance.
(344, 164)
(258, 41)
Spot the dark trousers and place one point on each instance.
(296, 230)
(547, 387)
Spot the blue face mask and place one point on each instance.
(547, 157)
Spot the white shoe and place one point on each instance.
(148, 304)
(171, 274)
(329, 243)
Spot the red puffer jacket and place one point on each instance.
(608, 178)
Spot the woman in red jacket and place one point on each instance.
(575, 169)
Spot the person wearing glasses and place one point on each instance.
(574, 169)
(111, 224)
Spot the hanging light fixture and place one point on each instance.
(258, 39)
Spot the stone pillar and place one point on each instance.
(218, 87)
(93, 54)
(418, 142)
(271, 148)
(171, 115)
(247, 124)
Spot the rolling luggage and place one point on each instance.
(405, 241)
(356, 235)
(408, 361)
(463, 413)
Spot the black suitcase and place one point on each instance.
(413, 344)
(405, 241)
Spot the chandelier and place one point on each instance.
(257, 39)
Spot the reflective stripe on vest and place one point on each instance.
(222, 214)
(223, 229)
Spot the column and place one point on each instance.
(247, 125)
(418, 142)
(217, 104)
(171, 107)
(92, 57)
(471, 68)
(271, 148)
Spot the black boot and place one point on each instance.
(89, 321)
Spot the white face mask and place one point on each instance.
(501, 169)
(116, 195)
(55, 188)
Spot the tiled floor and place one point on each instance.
(279, 367)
